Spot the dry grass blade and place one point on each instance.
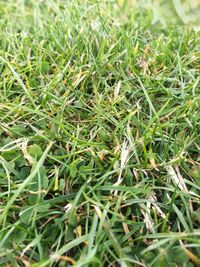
(177, 178)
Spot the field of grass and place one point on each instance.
(99, 135)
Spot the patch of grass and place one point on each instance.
(99, 136)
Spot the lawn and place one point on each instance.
(99, 134)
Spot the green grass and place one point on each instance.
(99, 135)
